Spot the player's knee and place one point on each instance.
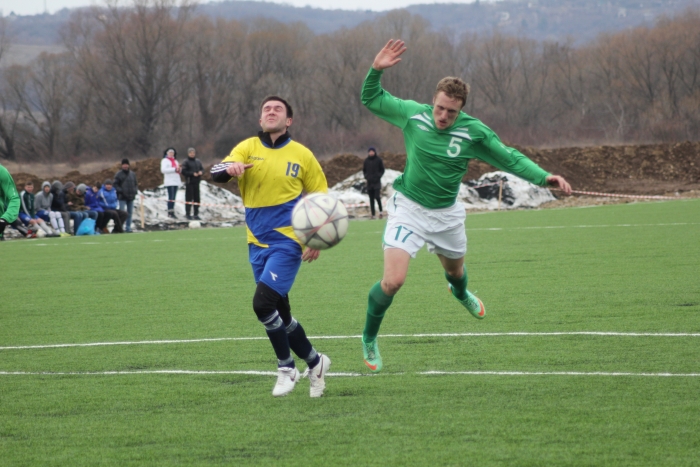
(391, 285)
(265, 301)
(455, 272)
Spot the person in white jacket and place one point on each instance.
(171, 177)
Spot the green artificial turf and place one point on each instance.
(454, 390)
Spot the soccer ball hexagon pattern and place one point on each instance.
(320, 221)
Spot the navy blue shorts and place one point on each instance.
(25, 218)
(275, 266)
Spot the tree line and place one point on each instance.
(136, 80)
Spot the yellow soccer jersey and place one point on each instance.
(271, 188)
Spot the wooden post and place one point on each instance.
(143, 222)
(500, 193)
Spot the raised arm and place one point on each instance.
(390, 55)
(375, 98)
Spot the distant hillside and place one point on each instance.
(581, 20)
(555, 20)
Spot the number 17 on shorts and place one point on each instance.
(402, 237)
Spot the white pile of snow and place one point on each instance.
(349, 191)
(218, 206)
(222, 208)
(517, 193)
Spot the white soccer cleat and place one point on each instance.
(316, 376)
(286, 380)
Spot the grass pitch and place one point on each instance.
(589, 353)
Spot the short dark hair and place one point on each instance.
(290, 112)
(454, 88)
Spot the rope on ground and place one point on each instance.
(615, 195)
(359, 205)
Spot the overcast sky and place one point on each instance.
(33, 7)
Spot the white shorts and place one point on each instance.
(410, 226)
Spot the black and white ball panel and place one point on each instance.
(320, 221)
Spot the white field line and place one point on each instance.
(554, 373)
(592, 226)
(157, 372)
(421, 373)
(444, 335)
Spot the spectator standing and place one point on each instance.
(170, 169)
(192, 170)
(127, 188)
(107, 197)
(373, 169)
(27, 212)
(9, 200)
(42, 203)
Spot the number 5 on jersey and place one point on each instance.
(453, 149)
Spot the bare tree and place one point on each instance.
(215, 54)
(9, 114)
(132, 59)
(42, 93)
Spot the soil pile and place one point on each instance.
(147, 174)
(652, 169)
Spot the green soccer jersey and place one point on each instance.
(9, 198)
(436, 160)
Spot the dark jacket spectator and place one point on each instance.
(58, 203)
(125, 183)
(189, 168)
(373, 168)
(192, 170)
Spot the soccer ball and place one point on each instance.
(320, 221)
(194, 225)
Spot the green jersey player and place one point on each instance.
(440, 140)
(9, 200)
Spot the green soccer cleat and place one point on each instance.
(372, 358)
(471, 303)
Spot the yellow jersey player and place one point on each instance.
(273, 170)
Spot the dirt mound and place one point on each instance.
(635, 169)
(631, 169)
(147, 174)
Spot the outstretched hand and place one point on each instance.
(389, 55)
(236, 169)
(559, 182)
(310, 255)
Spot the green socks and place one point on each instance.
(459, 285)
(377, 304)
